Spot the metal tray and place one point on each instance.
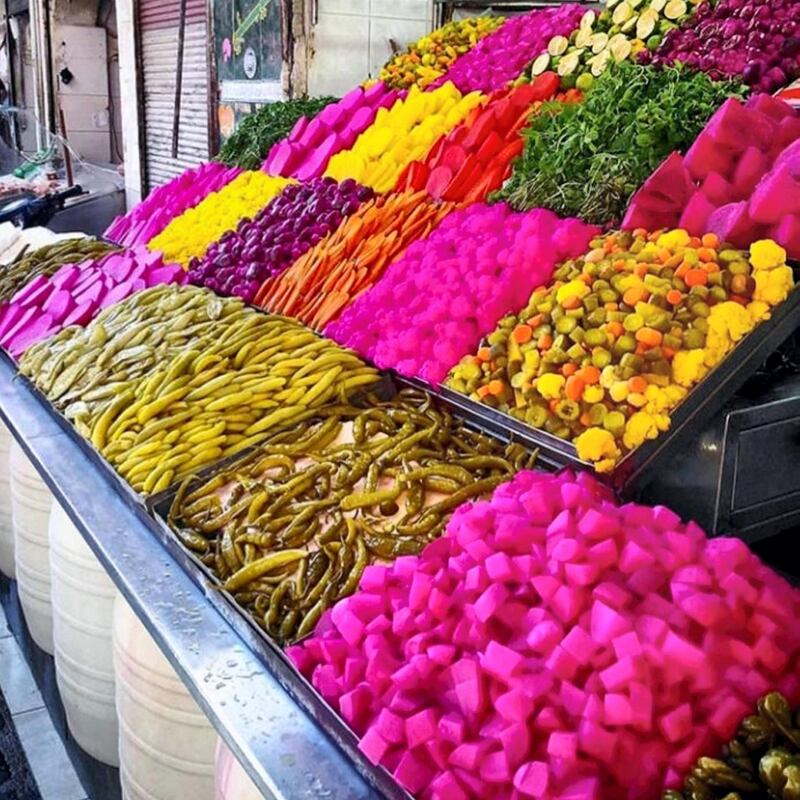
(638, 467)
(263, 645)
(132, 498)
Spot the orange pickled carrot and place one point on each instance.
(637, 384)
(574, 388)
(649, 337)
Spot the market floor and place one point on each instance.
(45, 752)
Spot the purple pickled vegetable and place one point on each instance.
(302, 215)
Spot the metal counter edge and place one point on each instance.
(286, 755)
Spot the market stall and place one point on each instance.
(362, 436)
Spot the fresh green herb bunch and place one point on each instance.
(250, 143)
(587, 159)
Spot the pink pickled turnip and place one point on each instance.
(555, 690)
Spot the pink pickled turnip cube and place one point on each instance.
(544, 636)
(777, 195)
(618, 675)
(596, 741)
(697, 212)
(728, 714)
(562, 664)
(373, 746)
(562, 744)
(391, 726)
(413, 773)
(682, 652)
(607, 623)
(494, 768)
(676, 724)
(446, 787)
(579, 645)
(347, 623)
(532, 779)
(354, 706)
(500, 661)
(595, 525)
(468, 756)
(617, 709)
(717, 189)
(420, 727)
(516, 742)
(705, 156)
(515, 706)
(568, 602)
(488, 603)
(452, 728)
(581, 789)
(750, 168)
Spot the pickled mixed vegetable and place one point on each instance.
(290, 528)
(604, 353)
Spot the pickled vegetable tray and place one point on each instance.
(159, 511)
(706, 399)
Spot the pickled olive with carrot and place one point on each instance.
(290, 527)
(621, 337)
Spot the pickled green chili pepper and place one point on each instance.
(261, 567)
(292, 526)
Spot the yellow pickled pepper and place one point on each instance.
(189, 235)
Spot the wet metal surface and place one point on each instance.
(286, 754)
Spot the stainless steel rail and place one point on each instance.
(281, 747)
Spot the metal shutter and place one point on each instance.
(159, 22)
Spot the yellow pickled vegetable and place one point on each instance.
(189, 235)
(402, 134)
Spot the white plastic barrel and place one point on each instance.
(30, 509)
(231, 782)
(166, 744)
(83, 616)
(6, 528)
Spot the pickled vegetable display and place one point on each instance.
(587, 159)
(147, 219)
(475, 158)
(252, 140)
(430, 57)
(347, 262)
(189, 235)
(46, 261)
(435, 303)
(176, 378)
(75, 293)
(402, 134)
(601, 355)
(501, 56)
(263, 247)
(290, 528)
(304, 154)
(762, 760)
(620, 32)
(757, 41)
(556, 644)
